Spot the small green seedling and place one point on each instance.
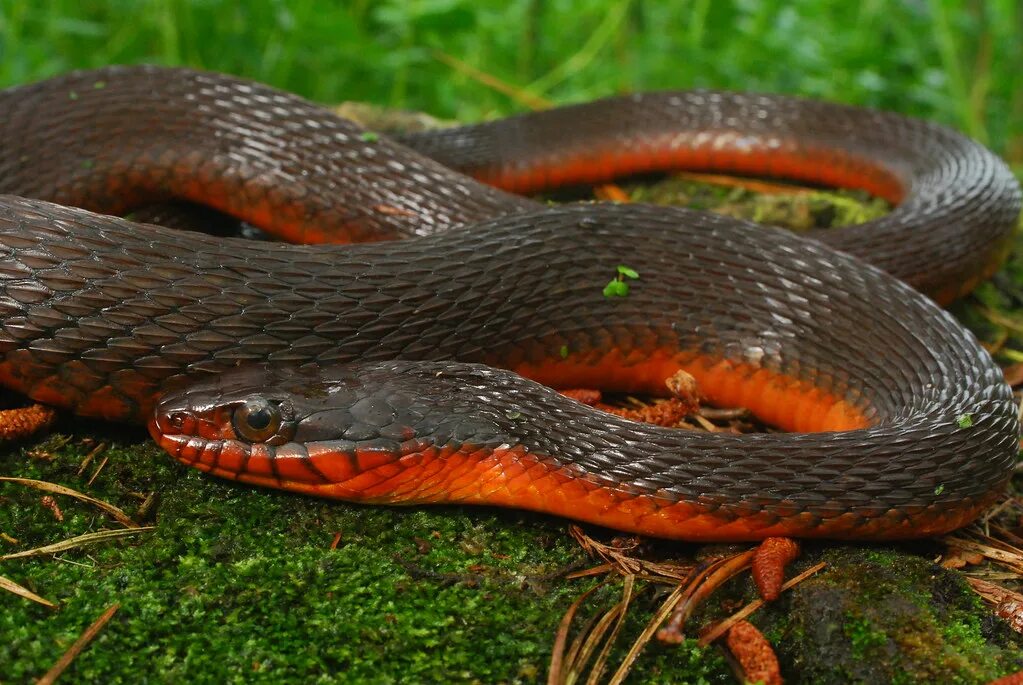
(618, 287)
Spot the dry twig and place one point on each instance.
(699, 588)
(721, 628)
(1007, 604)
(90, 456)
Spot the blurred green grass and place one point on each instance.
(955, 61)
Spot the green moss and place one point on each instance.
(863, 635)
(240, 585)
(884, 557)
(885, 615)
(799, 211)
(965, 635)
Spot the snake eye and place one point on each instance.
(257, 420)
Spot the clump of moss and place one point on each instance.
(883, 615)
(798, 210)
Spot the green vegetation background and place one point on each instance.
(956, 61)
(238, 584)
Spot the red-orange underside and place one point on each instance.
(722, 152)
(288, 218)
(747, 155)
(511, 476)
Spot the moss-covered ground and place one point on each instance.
(241, 585)
(237, 584)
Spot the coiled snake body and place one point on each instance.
(358, 371)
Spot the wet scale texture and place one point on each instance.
(100, 315)
(957, 203)
(412, 432)
(112, 139)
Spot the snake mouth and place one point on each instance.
(201, 435)
(224, 457)
(189, 434)
(174, 432)
(170, 421)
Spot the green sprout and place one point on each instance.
(617, 286)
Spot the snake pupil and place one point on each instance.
(260, 418)
(257, 420)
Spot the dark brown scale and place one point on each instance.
(115, 139)
(854, 484)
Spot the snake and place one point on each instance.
(417, 363)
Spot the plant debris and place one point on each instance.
(77, 541)
(21, 422)
(51, 504)
(757, 661)
(11, 586)
(769, 562)
(76, 648)
(1007, 604)
(56, 489)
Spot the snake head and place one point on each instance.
(310, 430)
(251, 418)
(227, 424)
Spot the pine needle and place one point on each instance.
(623, 608)
(666, 608)
(11, 586)
(78, 541)
(80, 644)
(741, 615)
(118, 514)
(555, 673)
